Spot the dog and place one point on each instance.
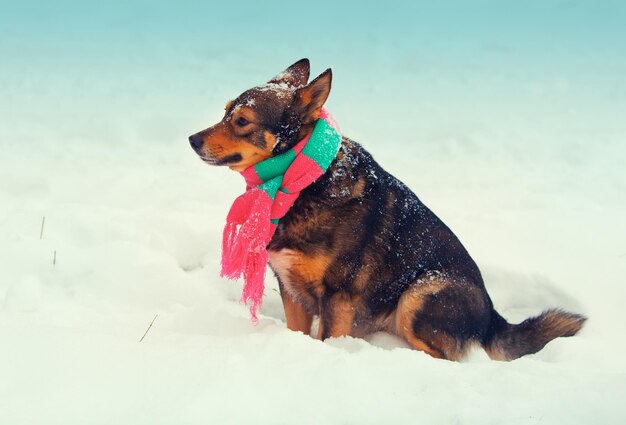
(358, 249)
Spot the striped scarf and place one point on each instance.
(273, 186)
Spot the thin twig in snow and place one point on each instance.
(144, 335)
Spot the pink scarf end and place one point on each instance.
(246, 235)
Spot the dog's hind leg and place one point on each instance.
(411, 302)
(441, 316)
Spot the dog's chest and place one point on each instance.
(300, 274)
(280, 262)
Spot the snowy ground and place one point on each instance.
(524, 161)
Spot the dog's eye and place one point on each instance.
(242, 122)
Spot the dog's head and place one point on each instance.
(266, 120)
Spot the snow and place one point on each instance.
(523, 160)
(281, 89)
(137, 232)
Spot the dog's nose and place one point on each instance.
(196, 141)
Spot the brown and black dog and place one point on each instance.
(358, 248)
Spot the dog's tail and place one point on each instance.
(508, 342)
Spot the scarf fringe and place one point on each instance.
(246, 236)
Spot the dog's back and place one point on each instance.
(391, 264)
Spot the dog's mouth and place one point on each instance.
(228, 160)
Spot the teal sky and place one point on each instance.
(75, 69)
(63, 26)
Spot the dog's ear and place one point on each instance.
(310, 99)
(296, 75)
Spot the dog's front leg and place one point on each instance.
(336, 315)
(298, 319)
